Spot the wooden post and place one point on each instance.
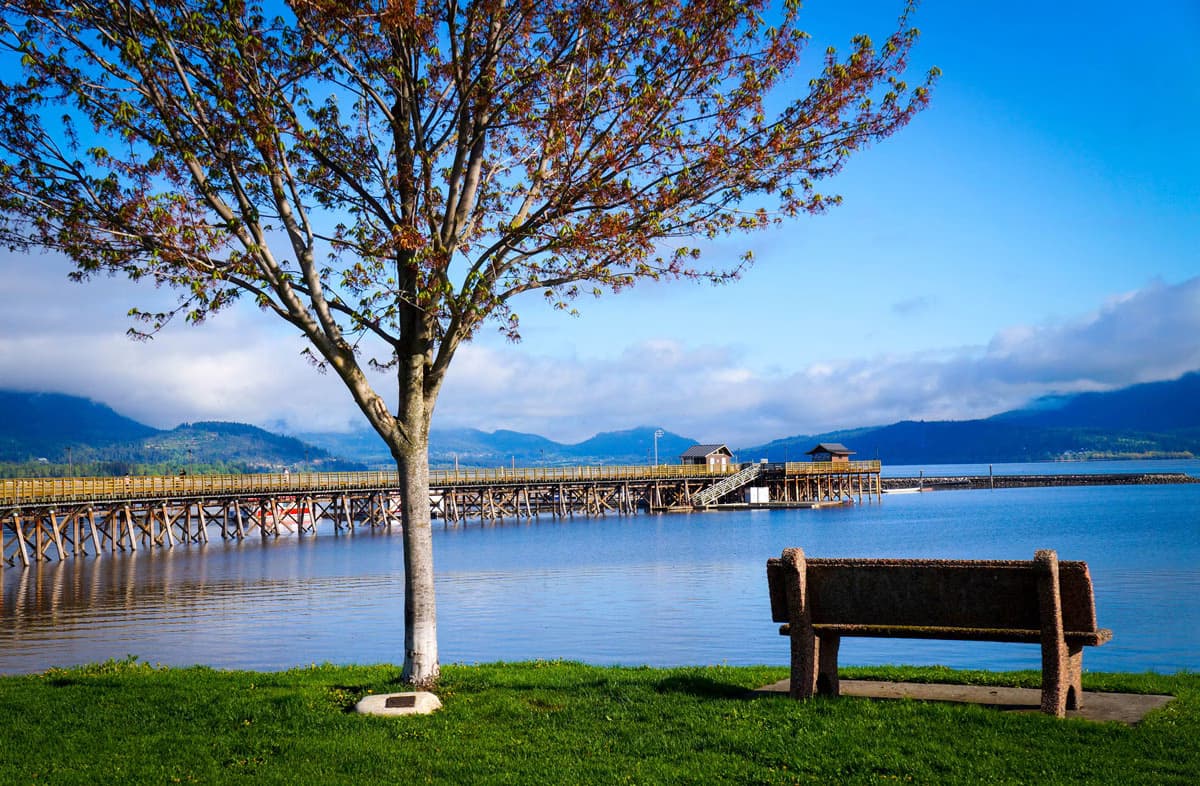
(171, 521)
(150, 519)
(167, 526)
(75, 546)
(92, 529)
(385, 506)
(113, 518)
(20, 539)
(201, 524)
(129, 529)
(307, 514)
(56, 536)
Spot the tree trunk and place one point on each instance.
(421, 666)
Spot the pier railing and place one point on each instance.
(18, 491)
(831, 467)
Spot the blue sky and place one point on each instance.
(1036, 230)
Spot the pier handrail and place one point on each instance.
(18, 491)
(723, 487)
(14, 491)
(831, 467)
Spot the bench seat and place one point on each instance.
(1086, 638)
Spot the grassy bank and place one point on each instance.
(564, 723)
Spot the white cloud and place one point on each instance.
(708, 394)
(210, 374)
(1135, 337)
(242, 365)
(656, 383)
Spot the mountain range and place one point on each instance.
(49, 433)
(1156, 419)
(475, 448)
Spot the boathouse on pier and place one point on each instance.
(716, 457)
(834, 452)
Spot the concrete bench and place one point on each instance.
(1042, 601)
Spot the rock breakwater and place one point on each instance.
(1022, 481)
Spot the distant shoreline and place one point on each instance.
(934, 483)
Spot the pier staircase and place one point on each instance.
(708, 496)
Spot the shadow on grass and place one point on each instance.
(346, 697)
(702, 687)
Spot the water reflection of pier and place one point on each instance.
(49, 594)
(55, 518)
(175, 604)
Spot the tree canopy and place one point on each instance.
(388, 176)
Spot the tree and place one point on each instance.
(389, 176)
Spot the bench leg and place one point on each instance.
(814, 666)
(1062, 680)
(1055, 688)
(827, 657)
(804, 664)
(1075, 676)
(1062, 673)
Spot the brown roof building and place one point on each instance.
(831, 451)
(714, 456)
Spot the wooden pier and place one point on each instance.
(45, 519)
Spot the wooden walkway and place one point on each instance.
(56, 518)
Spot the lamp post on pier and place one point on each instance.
(657, 433)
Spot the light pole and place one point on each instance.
(657, 433)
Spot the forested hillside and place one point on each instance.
(49, 434)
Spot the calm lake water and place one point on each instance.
(659, 590)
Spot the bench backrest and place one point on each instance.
(934, 593)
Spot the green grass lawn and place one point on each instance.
(533, 723)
